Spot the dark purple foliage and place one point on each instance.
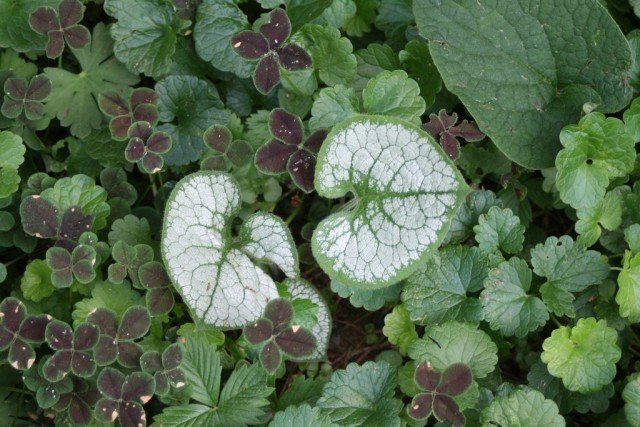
(277, 336)
(116, 342)
(269, 47)
(159, 298)
(128, 260)
(139, 107)
(67, 266)
(71, 350)
(146, 147)
(446, 129)
(165, 368)
(20, 96)
(42, 220)
(438, 391)
(79, 401)
(226, 151)
(18, 332)
(123, 397)
(288, 151)
(60, 26)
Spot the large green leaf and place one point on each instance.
(406, 191)
(631, 397)
(11, 157)
(523, 407)
(628, 296)
(145, 34)
(524, 69)
(362, 396)
(213, 271)
(190, 105)
(303, 415)
(73, 98)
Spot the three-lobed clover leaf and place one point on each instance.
(128, 260)
(159, 297)
(146, 146)
(596, 150)
(66, 266)
(117, 340)
(445, 129)
(584, 356)
(18, 332)
(438, 392)
(12, 152)
(22, 96)
(275, 334)
(214, 272)
(123, 397)
(165, 368)
(71, 350)
(289, 151)
(269, 46)
(505, 302)
(140, 106)
(406, 191)
(568, 267)
(227, 152)
(61, 26)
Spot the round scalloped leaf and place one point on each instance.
(406, 190)
(219, 282)
(11, 157)
(301, 289)
(631, 397)
(525, 407)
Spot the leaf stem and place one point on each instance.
(293, 214)
(154, 190)
(556, 321)
(616, 268)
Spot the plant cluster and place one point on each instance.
(319, 213)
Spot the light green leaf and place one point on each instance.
(373, 60)
(632, 237)
(202, 369)
(116, 297)
(36, 281)
(216, 22)
(607, 214)
(506, 305)
(301, 289)
(499, 230)
(73, 96)
(584, 356)
(332, 55)
(362, 396)
(191, 105)
(437, 292)
(631, 397)
(416, 61)
(145, 34)
(393, 93)
(532, 47)
(186, 416)
(568, 265)
(523, 407)
(213, 272)
(455, 342)
(303, 415)
(333, 105)
(406, 189)
(15, 31)
(302, 11)
(370, 300)
(596, 150)
(11, 157)
(628, 296)
(631, 119)
(131, 230)
(399, 328)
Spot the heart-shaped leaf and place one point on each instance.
(406, 191)
(212, 270)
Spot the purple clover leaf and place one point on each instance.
(159, 297)
(79, 264)
(439, 389)
(20, 96)
(165, 368)
(226, 152)
(124, 397)
(446, 129)
(289, 151)
(275, 335)
(146, 146)
(61, 26)
(128, 260)
(71, 350)
(78, 402)
(268, 46)
(18, 332)
(139, 107)
(117, 341)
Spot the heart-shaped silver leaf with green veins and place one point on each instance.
(215, 272)
(406, 192)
